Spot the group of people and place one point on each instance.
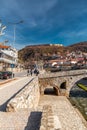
(31, 71)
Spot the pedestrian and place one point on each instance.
(37, 72)
(13, 75)
(27, 72)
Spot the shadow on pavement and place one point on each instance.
(34, 121)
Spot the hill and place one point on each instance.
(82, 46)
(39, 52)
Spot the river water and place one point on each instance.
(78, 98)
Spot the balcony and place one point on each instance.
(7, 61)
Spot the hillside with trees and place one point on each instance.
(44, 52)
(38, 52)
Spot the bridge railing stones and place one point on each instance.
(27, 98)
(64, 73)
(49, 121)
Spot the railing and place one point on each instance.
(64, 74)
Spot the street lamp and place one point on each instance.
(15, 23)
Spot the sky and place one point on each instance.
(44, 22)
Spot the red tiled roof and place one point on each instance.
(2, 46)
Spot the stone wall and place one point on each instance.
(64, 73)
(27, 98)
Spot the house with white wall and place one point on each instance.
(8, 57)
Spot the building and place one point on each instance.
(8, 57)
(57, 44)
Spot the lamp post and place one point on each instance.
(14, 37)
(15, 23)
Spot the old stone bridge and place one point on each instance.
(62, 82)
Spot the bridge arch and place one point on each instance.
(51, 90)
(63, 88)
(73, 81)
(61, 81)
(63, 85)
(75, 91)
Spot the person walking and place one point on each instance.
(36, 72)
(27, 72)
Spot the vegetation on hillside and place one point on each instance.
(41, 52)
(82, 46)
(38, 52)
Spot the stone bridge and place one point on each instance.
(62, 82)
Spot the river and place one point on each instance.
(78, 98)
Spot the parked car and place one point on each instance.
(75, 67)
(6, 74)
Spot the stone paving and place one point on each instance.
(68, 117)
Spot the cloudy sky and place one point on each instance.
(44, 21)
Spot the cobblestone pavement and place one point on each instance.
(69, 117)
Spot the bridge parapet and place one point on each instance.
(27, 98)
(63, 73)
